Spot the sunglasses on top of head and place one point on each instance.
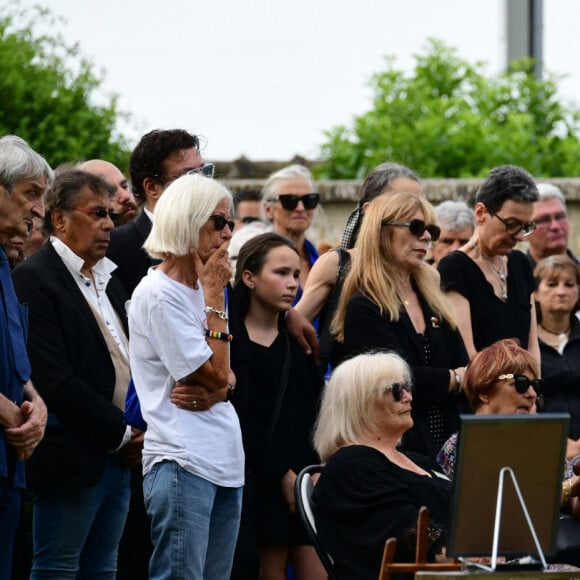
(289, 201)
(398, 388)
(220, 222)
(417, 228)
(522, 383)
(207, 170)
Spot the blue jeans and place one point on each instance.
(76, 532)
(194, 524)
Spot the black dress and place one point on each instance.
(492, 319)
(274, 447)
(362, 499)
(435, 411)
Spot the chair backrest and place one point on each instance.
(303, 491)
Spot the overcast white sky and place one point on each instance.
(266, 78)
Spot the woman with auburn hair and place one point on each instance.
(392, 300)
(503, 379)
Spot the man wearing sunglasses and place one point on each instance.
(160, 157)
(78, 350)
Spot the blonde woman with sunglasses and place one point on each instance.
(392, 300)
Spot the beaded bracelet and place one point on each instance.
(219, 335)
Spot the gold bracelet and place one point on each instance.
(566, 491)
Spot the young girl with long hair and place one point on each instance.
(277, 394)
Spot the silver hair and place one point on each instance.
(290, 172)
(19, 161)
(550, 191)
(180, 213)
(455, 215)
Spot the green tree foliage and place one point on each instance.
(448, 119)
(49, 93)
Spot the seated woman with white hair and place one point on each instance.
(193, 458)
(369, 489)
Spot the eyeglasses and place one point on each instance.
(220, 222)
(99, 212)
(514, 227)
(398, 388)
(207, 169)
(418, 227)
(289, 201)
(522, 383)
(547, 220)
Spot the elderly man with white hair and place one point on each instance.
(552, 225)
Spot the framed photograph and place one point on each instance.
(534, 447)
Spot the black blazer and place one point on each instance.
(126, 250)
(73, 372)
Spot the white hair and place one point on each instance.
(181, 211)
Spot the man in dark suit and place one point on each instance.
(78, 351)
(159, 158)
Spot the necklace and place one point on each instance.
(562, 337)
(563, 333)
(500, 275)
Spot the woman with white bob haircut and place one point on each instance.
(369, 489)
(193, 459)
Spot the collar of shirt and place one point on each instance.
(101, 270)
(148, 213)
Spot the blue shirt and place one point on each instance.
(14, 366)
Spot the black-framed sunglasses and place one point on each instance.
(289, 201)
(398, 388)
(99, 212)
(417, 228)
(514, 227)
(522, 383)
(220, 222)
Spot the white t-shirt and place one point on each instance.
(167, 342)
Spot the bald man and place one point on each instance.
(123, 202)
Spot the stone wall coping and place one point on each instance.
(436, 190)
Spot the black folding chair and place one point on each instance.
(303, 490)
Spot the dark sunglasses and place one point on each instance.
(398, 388)
(220, 222)
(522, 383)
(418, 227)
(290, 201)
(99, 212)
(514, 227)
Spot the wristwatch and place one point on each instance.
(231, 389)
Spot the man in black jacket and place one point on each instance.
(78, 351)
(159, 158)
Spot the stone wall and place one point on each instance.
(339, 199)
